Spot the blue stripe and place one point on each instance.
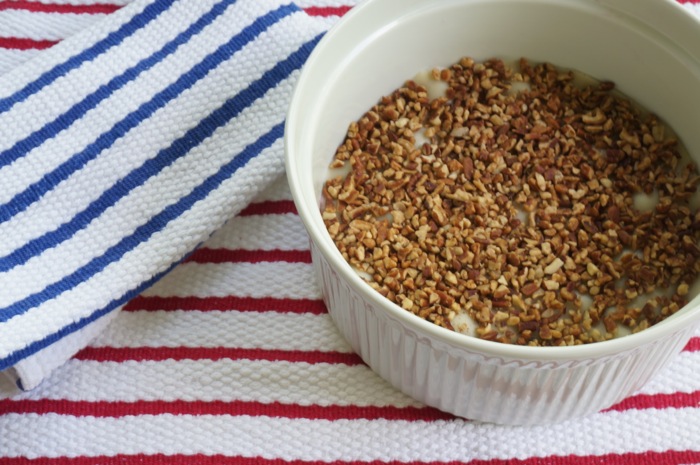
(138, 21)
(36, 346)
(35, 191)
(50, 130)
(192, 138)
(250, 152)
(146, 170)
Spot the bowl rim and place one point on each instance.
(689, 315)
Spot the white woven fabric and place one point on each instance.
(126, 146)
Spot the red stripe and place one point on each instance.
(182, 407)
(206, 255)
(277, 409)
(227, 303)
(670, 457)
(659, 401)
(271, 207)
(58, 8)
(693, 345)
(327, 10)
(15, 43)
(139, 354)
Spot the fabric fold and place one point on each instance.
(124, 147)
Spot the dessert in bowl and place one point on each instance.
(647, 48)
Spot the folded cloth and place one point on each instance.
(124, 147)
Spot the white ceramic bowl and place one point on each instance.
(649, 48)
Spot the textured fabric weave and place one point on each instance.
(123, 148)
(230, 358)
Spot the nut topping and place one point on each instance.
(515, 199)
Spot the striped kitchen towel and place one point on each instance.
(124, 147)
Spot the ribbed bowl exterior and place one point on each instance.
(479, 387)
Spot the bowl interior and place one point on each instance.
(649, 48)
